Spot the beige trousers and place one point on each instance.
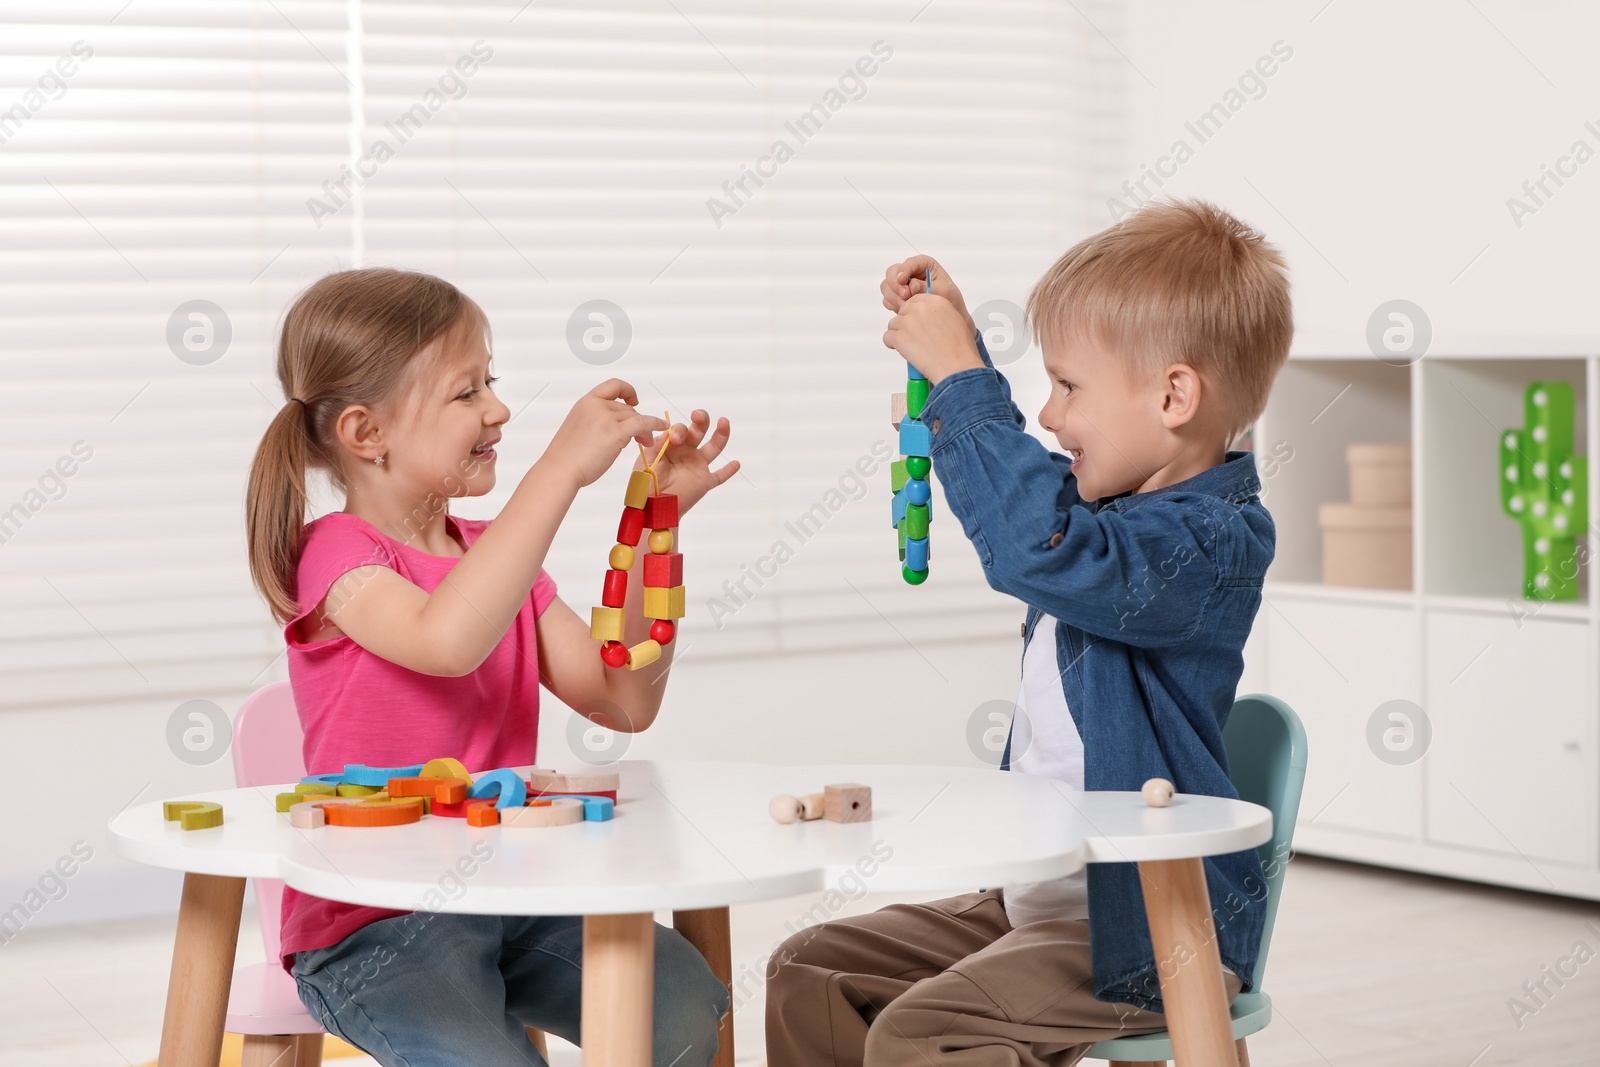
(948, 983)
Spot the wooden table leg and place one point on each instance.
(707, 930)
(1187, 962)
(619, 955)
(202, 970)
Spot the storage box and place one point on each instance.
(1380, 474)
(1367, 547)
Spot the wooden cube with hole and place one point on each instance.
(847, 802)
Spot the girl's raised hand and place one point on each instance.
(685, 467)
(600, 425)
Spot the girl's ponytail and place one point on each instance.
(351, 338)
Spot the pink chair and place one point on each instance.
(263, 1003)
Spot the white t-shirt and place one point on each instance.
(1045, 741)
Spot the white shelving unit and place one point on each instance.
(1507, 787)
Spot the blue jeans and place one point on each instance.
(436, 990)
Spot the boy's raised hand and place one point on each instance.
(904, 280)
(929, 334)
(685, 467)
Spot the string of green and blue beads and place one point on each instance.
(913, 497)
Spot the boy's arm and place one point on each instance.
(1140, 576)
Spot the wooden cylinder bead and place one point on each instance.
(615, 593)
(662, 631)
(614, 654)
(643, 654)
(622, 558)
(631, 528)
(1157, 792)
(661, 541)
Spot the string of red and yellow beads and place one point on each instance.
(663, 573)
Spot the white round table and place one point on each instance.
(695, 837)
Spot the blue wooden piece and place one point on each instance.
(914, 375)
(914, 438)
(897, 508)
(504, 781)
(917, 492)
(917, 553)
(361, 774)
(323, 779)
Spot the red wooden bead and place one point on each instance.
(661, 631)
(614, 653)
(663, 571)
(632, 526)
(616, 589)
(661, 511)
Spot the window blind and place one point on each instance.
(719, 183)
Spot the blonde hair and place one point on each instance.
(1177, 282)
(350, 338)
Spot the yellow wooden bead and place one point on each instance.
(605, 624)
(622, 558)
(638, 492)
(643, 654)
(664, 603)
(661, 541)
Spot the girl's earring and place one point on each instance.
(379, 461)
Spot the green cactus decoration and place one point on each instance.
(1544, 487)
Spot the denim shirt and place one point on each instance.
(1154, 594)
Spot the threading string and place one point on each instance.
(650, 464)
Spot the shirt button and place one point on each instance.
(1056, 538)
(1022, 630)
(935, 426)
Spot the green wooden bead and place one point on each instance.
(901, 526)
(913, 577)
(916, 396)
(918, 466)
(917, 522)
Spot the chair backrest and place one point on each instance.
(1267, 763)
(267, 741)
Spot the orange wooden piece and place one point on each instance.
(392, 812)
(448, 790)
(481, 811)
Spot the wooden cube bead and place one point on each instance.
(663, 570)
(614, 594)
(664, 603)
(638, 489)
(661, 511)
(914, 439)
(897, 409)
(847, 802)
(605, 624)
(631, 528)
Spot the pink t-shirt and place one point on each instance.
(356, 707)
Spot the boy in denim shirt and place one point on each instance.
(1142, 553)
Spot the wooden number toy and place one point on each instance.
(601, 784)
(912, 504)
(595, 808)
(192, 814)
(554, 811)
(377, 777)
(448, 790)
(505, 781)
(644, 506)
(844, 802)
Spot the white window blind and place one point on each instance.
(541, 157)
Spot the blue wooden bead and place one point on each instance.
(914, 438)
(917, 553)
(914, 375)
(898, 509)
(917, 492)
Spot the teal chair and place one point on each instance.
(1267, 761)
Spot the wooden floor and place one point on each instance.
(1369, 968)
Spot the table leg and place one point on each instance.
(619, 954)
(707, 930)
(1187, 962)
(202, 970)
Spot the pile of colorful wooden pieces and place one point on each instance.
(663, 577)
(392, 796)
(913, 498)
(845, 802)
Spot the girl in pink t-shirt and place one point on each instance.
(414, 634)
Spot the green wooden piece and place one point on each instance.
(901, 526)
(1544, 488)
(918, 466)
(917, 522)
(913, 577)
(916, 396)
(897, 475)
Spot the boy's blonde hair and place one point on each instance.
(1177, 282)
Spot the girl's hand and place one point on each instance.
(600, 425)
(685, 467)
(904, 280)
